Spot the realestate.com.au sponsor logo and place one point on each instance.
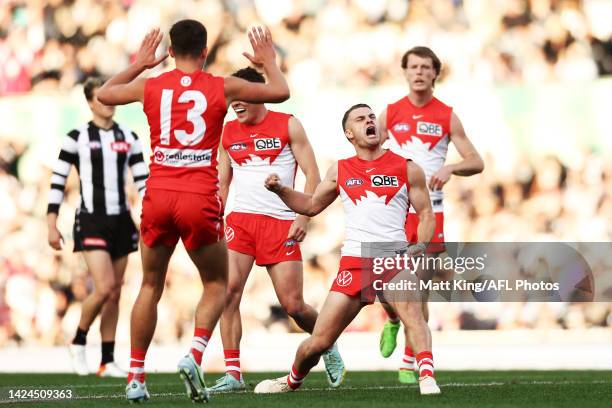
(182, 157)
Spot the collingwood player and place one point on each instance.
(101, 151)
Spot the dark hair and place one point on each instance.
(249, 74)
(188, 38)
(90, 84)
(423, 52)
(348, 112)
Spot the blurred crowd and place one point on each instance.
(41, 290)
(50, 44)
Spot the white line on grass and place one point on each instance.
(379, 387)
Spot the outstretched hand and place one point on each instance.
(273, 183)
(146, 54)
(263, 48)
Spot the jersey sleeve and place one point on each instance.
(139, 169)
(68, 157)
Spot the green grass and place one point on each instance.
(361, 389)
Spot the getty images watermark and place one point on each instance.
(489, 272)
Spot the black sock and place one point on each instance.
(80, 337)
(108, 352)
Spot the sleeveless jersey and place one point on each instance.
(421, 134)
(375, 199)
(255, 152)
(185, 114)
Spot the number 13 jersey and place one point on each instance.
(185, 112)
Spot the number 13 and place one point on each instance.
(194, 115)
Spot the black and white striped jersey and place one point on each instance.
(102, 158)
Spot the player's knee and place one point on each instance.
(233, 294)
(115, 293)
(294, 306)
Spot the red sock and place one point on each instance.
(425, 362)
(232, 363)
(199, 343)
(137, 361)
(295, 379)
(408, 360)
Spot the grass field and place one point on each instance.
(360, 389)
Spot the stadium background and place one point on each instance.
(529, 79)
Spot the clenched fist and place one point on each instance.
(273, 183)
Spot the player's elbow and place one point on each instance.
(311, 211)
(281, 94)
(104, 96)
(479, 165)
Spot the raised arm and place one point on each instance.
(305, 158)
(307, 204)
(420, 201)
(470, 164)
(225, 174)
(124, 87)
(264, 56)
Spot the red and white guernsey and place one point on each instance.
(375, 199)
(421, 134)
(255, 152)
(185, 113)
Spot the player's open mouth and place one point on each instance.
(239, 109)
(371, 131)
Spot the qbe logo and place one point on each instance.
(380, 180)
(429, 129)
(267, 144)
(344, 278)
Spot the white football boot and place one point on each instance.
(274, 386)
(78, 358)
(428, 386)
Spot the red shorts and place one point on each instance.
(437, 242)
(195, 218)
(261, 236)
(356, 277)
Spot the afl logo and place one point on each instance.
(401, 127)
(353, 182)
(344, 278)
(229, 234)
(185, 81)
(238, 146)
(159, 156)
